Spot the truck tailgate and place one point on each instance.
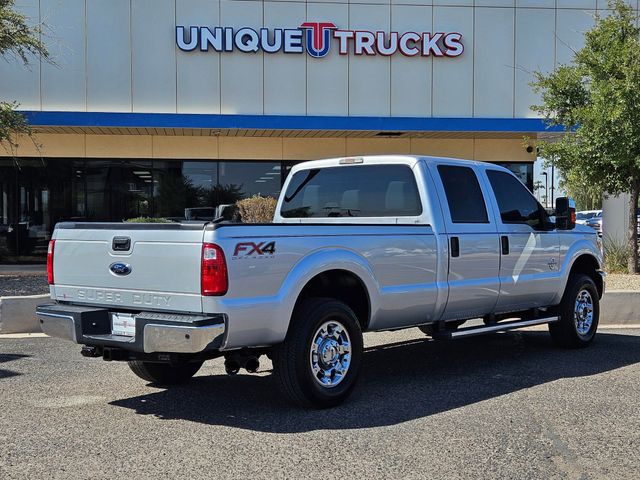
(161, 266)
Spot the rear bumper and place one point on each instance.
(154, 332)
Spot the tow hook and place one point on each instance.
(233, 363)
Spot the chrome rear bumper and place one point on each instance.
(154, 332)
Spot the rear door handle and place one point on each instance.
(455, 247)
(504, 243)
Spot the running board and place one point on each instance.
(498, 327)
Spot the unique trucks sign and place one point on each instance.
(316, 39)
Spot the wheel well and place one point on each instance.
(341, 285)
(588, 265)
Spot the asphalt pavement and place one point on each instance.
(505, 406)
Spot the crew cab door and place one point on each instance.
(530, 249)
(474, 256)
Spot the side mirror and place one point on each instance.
(565, 213)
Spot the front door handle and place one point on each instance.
(455, 247)
(504, 243)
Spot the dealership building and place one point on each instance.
(160, 107)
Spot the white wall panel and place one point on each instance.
(241, 73)
(466, 3)
(453, 77)
(328, 77)
(18, 82)
(373, 2)
(63, 84)
(108, 56)
(494, 62)
(495, 3)
(120, 55)
(153, 55)
(571, 25)
(577, 4)
(536, 3)
(369, 76)
(411, 76)
(535, 45)
(284, 74)
(198, 78)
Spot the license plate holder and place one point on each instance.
(123, 324)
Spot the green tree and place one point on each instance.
(175, 193)
(20, 41)
(588, 195)
(597, 100)
(224, 194)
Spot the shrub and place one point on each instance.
(257, 209)
(616, 256)
(148, 220)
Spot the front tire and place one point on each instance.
(164, 373)
(579, 314)
(318, 364)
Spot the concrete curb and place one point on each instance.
(18, 314)
(621, 307)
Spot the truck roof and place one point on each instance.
(409, 160)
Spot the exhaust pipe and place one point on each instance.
(88, 351)
(232, 366)
(252, 365)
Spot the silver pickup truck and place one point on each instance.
(356, 245)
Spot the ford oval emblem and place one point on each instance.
(120, 268)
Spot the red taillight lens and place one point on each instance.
(52, 245)
(213, 271)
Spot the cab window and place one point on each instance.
(516, 203)
(464, 197)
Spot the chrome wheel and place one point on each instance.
(330, 354)
(583, 312)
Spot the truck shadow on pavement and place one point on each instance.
(9, 357)
(400, 382)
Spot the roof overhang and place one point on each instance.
(285, 125)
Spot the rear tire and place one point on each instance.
(318, 364)
(579, 314)
(164, 373)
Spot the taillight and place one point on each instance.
(213, 271)
(52, 245)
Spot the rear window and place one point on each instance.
(353, 191)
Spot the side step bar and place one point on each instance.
(498, 327)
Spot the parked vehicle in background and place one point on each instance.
(595, 222)
(585, 215)
(357, 244)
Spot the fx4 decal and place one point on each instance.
(251, 249)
